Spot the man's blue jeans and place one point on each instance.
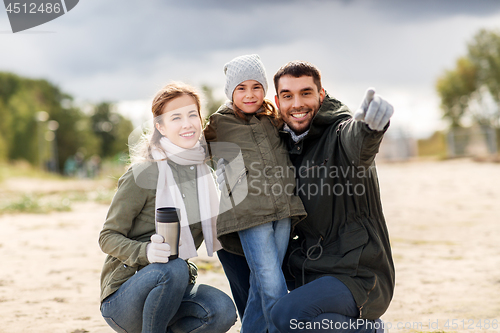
(323, 305)
(313, 300)
(264, 247)
(159, 298)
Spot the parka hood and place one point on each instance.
(331, 110)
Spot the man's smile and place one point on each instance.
(299, 115)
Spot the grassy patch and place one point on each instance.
(209, 266)
(29, 203)
(433, 146)
(103, 196)
(56, 202)
(24, 169)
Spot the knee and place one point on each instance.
(282, 314)
(226, 314)
(174, 272)
(221, 312)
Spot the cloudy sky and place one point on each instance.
(124, 51)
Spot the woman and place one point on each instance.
(141, 290)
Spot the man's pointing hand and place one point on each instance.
(374, 111)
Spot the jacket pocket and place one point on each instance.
(374, 255)
(122, 273)
(352, 236)
(343, 255)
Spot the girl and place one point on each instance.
(141, 290)
(258, 226)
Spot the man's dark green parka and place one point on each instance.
(345, 230)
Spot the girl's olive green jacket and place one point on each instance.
(266, 172)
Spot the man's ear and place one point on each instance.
(322, 94)
(277, 101)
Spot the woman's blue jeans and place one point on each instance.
(159, 298)
(264, 247)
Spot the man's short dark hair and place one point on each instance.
(298, 68)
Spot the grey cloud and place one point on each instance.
(131, 43)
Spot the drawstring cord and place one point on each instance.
(291, 253)
(309, 256)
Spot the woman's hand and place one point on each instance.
(157, 251)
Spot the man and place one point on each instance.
(339, 259)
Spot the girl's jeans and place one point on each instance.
(159, 298)
(264, 247)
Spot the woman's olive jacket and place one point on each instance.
(128, 227)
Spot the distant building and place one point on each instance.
(472, 141)
(397, 145)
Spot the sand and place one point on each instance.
(443, 219)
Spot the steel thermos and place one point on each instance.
(168, 226)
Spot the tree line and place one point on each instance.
(40, 123)
(470, 92)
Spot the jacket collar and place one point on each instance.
(330, 111)
(226, 108)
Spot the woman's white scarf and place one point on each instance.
(169, 195)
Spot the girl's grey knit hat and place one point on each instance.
(242, 68)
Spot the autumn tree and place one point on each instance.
(472, 89)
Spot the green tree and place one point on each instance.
(9, 83)
(464, 90)
(455, 88)
(484, 54)
(23, 135)
(22, 142)
(211, 103)
(4, 148)
(71, 136)
(112, 128)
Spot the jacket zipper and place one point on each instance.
(238, 180)
(367, 297)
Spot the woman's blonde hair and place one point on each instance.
(142, 150)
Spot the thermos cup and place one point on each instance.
(168, 226)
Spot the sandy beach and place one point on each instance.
(443, 219)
